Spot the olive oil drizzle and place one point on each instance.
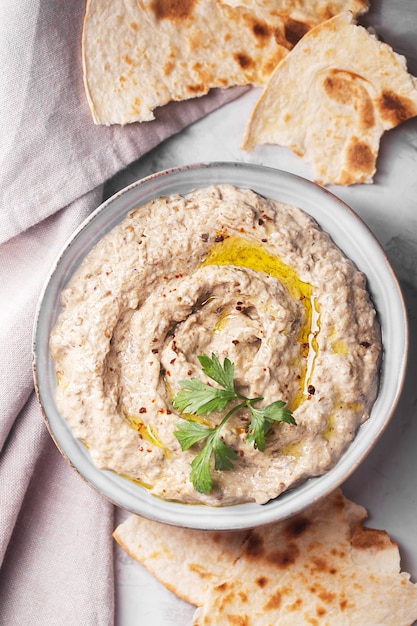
(147, 432)
(312, 342)
(240, 252)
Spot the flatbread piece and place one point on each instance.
(321, 567)
(186, 561)
(140, 54)
(332, 98)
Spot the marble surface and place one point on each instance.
(386, 482)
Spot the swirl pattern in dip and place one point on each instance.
(221, 270)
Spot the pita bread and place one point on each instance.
(331, 103)
(320, 567)
(186, 561)
(140, 54)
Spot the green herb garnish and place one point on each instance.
(197, 398)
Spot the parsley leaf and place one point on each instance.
(214, 370)
(262, 420)
(197, 398)
(189, 432)
(200, 466)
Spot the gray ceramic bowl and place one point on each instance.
(348, 232)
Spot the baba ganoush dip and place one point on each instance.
(224, 271)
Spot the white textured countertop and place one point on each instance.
(386, 482)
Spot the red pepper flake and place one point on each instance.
(172, 361)
(235, 341)
(311, 390)
(169, 412)
(219, 238)
(155, 350)
(238, 308)
(264, 240)
(142, 409)
(163, 371)
(260, 221)
(189, 372)
(154, 340)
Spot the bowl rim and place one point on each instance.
(134, 498)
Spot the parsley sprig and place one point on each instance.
(198, 398)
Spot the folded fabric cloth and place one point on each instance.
(55, 531)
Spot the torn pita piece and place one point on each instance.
(321, 567)
(140, 54)
(186, 561)
(331, 99)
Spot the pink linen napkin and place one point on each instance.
(55, 531)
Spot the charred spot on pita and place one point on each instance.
(261, 30)
(318, 564)
(254, 547)
(197, 88)
(243, 60)
(296, 527)
(261, 581)
(274, 601)
(284, 558)
(371, 539)
(359, 156)
(294, 30)
(174, 10)
(338, 88)
(395, 109)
